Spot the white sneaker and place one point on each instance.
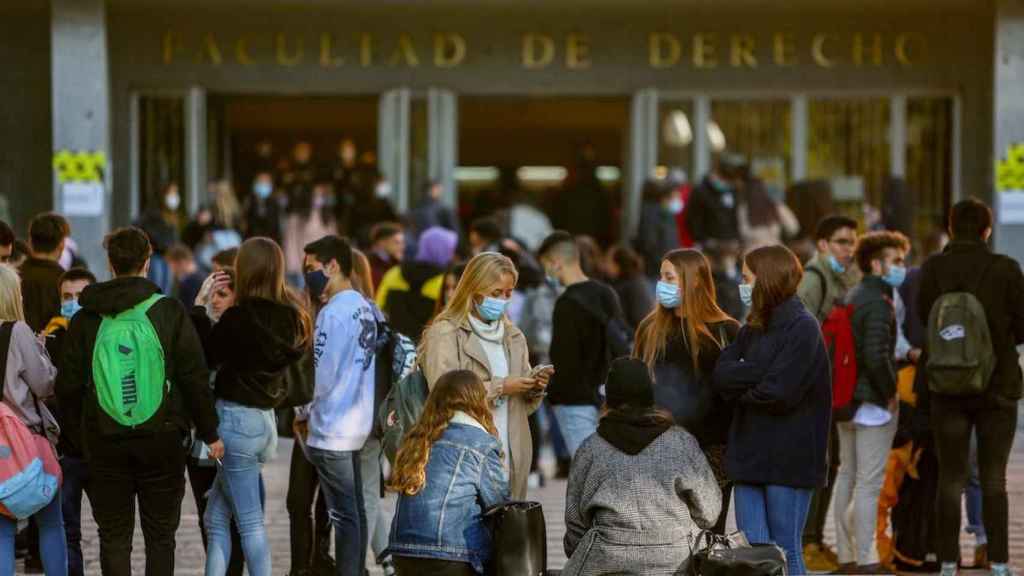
(950, 569)
(1001, 570)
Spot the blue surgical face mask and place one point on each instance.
(668, 295)
(896, 276)
(747, 294)
(263, 190)
(676, 206)
(316, 282)
(491, 309)
(69, 308)
(836, 266)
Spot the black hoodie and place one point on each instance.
(190, 399)
(251, 347)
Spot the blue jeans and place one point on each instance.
(774, 515)
(342, 483)
(52, 543)
(577, 423)
(975, 519)
(249, 434)
(76, 476)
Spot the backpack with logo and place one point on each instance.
(837, 330)
(961, 358)
(396, 357)
(128, 370)
(30, 475)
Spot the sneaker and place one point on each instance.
(816, 558)
(1001, 570)
(387, 566)
(949, 569)
(981, 557)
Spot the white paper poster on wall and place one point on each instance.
(1011, 207)
(83, 198)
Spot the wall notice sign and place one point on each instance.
(83, 198)
(1011, 207)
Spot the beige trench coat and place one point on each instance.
(448, 346)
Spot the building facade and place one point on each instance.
(855, 92)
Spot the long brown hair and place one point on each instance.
(778, 273)
(456, 391)
(259, 273)
(700, 308)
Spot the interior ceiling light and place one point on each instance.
(677, 130)
(541, 173)
(476, 174)
(716, 137)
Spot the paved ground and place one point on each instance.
(190, 556)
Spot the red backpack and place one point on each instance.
(838, 332)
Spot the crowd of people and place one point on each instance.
(703, 367)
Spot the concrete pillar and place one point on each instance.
(798, 119)
(393, 144)
(898, 136)
(701, 142)
(643, 156)
(1008, 89)
(195, 150)
(81, 121)
(443, 138)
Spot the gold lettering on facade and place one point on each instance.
(538, 51)
(860, 57)
(242, 55)
(365, 50)
(784, 49)
(664, 50)
(404, 52)
(327, 57)
(284, 58)
(704, 51)
(818, 50)
(577, 52)
(449, 50)
(172, 44)
(741, 51)
(210, 51)
(906, 54)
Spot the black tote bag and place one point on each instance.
(518, 539)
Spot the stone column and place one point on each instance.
(81, 123)
(1008, 89)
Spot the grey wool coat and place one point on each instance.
(636, 514)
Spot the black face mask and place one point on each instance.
(316, 282)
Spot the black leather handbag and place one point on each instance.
(715, 555)
(519, 543)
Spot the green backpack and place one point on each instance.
(128, 366)
(961, 358)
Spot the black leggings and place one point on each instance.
(995, 420)
(409, 566)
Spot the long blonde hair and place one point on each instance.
(482, 273)
(700, 308)
(11, 308)
(456, 391)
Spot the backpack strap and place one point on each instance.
(824, 287)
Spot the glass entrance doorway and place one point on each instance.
(563, 155)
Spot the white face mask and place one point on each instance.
(383, 190)
(172, 201)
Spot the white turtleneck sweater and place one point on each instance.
(492, 340)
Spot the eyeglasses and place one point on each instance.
(844, 242)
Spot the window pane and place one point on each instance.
(850, 139)
(930, 160)
(761, 132)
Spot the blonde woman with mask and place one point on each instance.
(474, 333)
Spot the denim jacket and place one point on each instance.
(465, 477)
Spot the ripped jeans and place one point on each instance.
(342, 483)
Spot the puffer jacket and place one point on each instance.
(874, 336)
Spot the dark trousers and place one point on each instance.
(994, 419)
(408, 566)
(150, 470)
(814, 530)
(76, 477)
(201, 478)
(310, 531)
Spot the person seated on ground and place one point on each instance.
(639, 489)
(448, 472)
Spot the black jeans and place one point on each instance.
(201, 478)
(310, 533)
(994, 418)
(76, 478)
(814, 529)
(409, 566)
(151, 470)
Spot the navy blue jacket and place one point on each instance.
(781, 381)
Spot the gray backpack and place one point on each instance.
(961, 358)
